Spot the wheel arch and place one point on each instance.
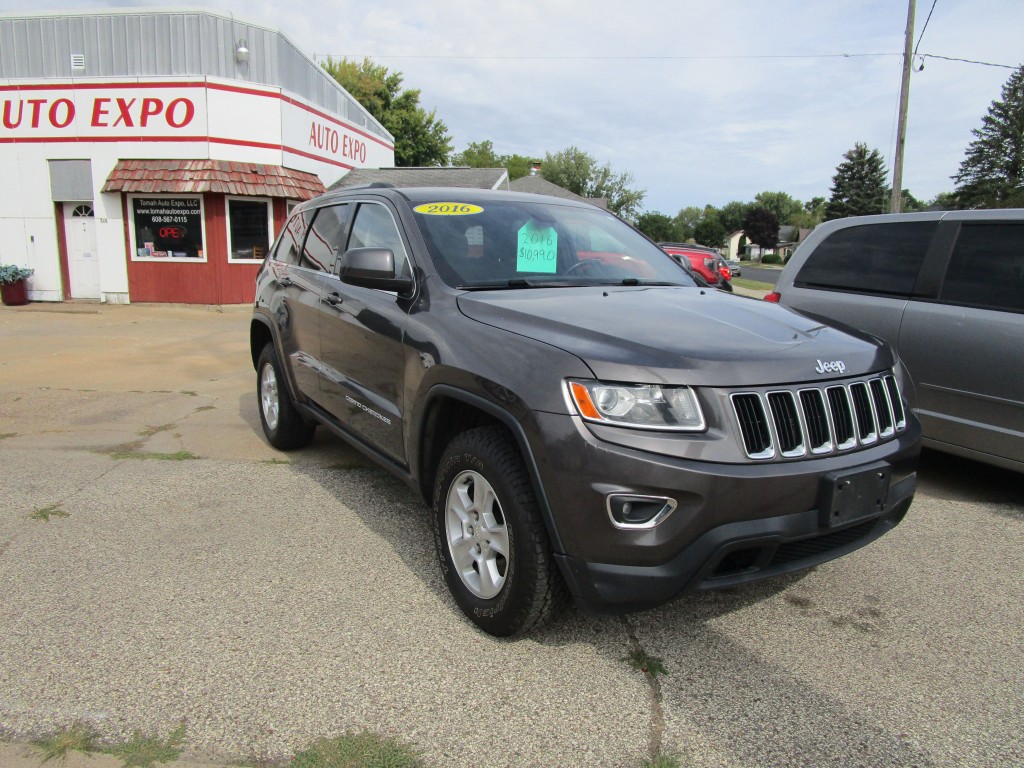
(263, 331)
(449, 411)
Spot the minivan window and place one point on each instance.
(870, 258)
(325, 237)
(987, 267)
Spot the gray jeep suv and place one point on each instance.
(583, 420)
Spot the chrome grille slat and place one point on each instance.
(792, 423)
(757, 438)
(819, 433)
(786, 420)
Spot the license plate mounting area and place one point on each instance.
(851, 495)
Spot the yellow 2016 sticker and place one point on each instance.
(448, 209)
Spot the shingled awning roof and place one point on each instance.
(231, 178)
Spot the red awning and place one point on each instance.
(230, 178)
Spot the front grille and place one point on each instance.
(816, 421)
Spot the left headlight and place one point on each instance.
(644, 406)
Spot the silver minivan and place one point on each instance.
(946, 289)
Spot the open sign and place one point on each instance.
(173, 233)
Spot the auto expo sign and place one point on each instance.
(98, 110)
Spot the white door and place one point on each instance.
(83, 261)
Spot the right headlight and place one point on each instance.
(643, 406)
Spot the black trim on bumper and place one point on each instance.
(731, 554)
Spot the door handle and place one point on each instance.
(284, 282)
(333, 298)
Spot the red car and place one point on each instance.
(706, 262)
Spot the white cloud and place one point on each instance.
(691, 131)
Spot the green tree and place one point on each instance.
(709, 230)
(421, 139)
(762, 227)
(657, 226)
(784, 206)
(992, 173)
(482, 155)
(477, 155)
(944, 201)
(858, 187)
(579, 172)
(686, 220)
(732, 215)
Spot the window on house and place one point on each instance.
(248, 229)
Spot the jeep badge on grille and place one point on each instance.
(836, 366)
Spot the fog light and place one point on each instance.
(638, 512)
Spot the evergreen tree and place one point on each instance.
(992, 173)
(858, 187)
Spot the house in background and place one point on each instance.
(460, 176)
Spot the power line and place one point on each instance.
(746, 57)
(968, 61)
(545, 57)
(925, 27)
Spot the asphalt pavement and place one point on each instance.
(187, 571)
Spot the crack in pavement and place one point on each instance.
(657, 727)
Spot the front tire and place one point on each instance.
(490, 536)
(284, 427)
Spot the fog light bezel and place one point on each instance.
(667, 508)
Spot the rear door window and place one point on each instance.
(290, 243)
(987, 268)
(882, 259)
(325, 237)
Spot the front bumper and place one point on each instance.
(734, 523)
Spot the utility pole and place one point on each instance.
(896, 201)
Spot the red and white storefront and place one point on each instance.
(164, 190)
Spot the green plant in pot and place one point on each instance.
(13, 288)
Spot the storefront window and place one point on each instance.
(167, 228)
(248, 229)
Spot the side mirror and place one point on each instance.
(373, 268)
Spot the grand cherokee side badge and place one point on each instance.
(836, 366)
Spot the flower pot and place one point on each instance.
(14, 294)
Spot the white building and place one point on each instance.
(153, 155)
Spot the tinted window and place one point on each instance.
(987, 268)
(290, 243)
(374, 227)
(325, 237)
(871, 258)
(493, 244)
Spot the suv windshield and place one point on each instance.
(513, 244)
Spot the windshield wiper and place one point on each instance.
(638, 281)
(519, 282)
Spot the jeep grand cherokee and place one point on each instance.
(582, 419)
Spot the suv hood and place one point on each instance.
(679, 335)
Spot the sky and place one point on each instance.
(702, 102)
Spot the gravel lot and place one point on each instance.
(270, 599)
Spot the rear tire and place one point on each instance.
(490, 537)
(282, 424)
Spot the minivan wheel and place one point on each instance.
(490, 537)
(284, 427)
